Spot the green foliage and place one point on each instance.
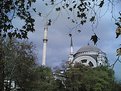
(1, 67)
(19, 66)
(118, 33)
(117, 86)
(83, 78)
(9, 10)
(45, 79)
(79, 12)
(19, 62)
(81, 8)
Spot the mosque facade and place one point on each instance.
(89, 56)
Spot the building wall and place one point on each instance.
(94, 59)
(86, 61)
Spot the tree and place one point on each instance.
(19, 61)
(82, 78)
(78, 12)
(21, 69)
(11, 9)
(117, 86)
(1, 67)
(44, 79)
(81, 11)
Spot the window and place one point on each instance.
(84, 60)
(90, 64)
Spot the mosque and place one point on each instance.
(88, 55)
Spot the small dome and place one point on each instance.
(88, 48)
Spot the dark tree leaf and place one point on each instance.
(89, 3)
(119, 19)
(73, 21)
(82, 22)
(4, 35)
(58, 9)
(46, 4)
(19, 35)
(118, 24)
(49, 22)
(67, 5)
(10, 35)
(83, 15)
(118, 32)
(17, 8)
(101, 3)
(63, 7)
(74, 1)
(94, 38)
(70, 9)
(39, 14)
(52, 2)
(118, 51)
(70, 34)
(92, 18)
(79, 31)
(68, 17)
(34, 9)
(74, 6)
(120, 13)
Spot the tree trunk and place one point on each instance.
(1, 71)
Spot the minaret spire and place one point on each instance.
(71, 49)
(71, 45)
(45, 39)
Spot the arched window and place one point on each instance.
(84, 60)
(90, 64)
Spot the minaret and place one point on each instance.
(44, 45)
(71, 49)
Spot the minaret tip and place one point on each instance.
(71, 49)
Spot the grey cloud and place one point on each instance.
(59, 42)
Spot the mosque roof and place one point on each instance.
(88, 48)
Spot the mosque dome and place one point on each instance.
(90, 56)
(88, 48)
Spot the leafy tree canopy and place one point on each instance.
(78, 12)
(9, 10)
(18, 64)
(82, 78)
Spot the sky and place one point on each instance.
(58, 45)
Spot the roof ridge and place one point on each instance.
(89, 48)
